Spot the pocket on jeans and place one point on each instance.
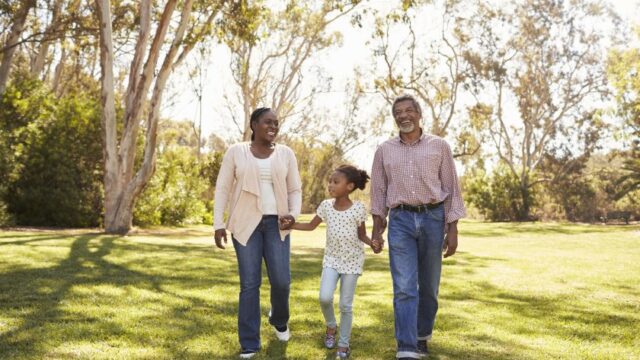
(393, 214)
(437, 214)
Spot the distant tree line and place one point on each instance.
(527, 108)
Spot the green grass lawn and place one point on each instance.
(513, 291)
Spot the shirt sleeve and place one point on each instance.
(224, 183)
(378, 185)
(321, 211)
(294, 187)
(453, 204)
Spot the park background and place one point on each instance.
(114, 117)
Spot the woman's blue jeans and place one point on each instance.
(415, 254)
(265, 243)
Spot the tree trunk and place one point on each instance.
(526, 201)
(37, 66)
(122, 184)
(12, 40)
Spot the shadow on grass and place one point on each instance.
(192, 306)
(38, 299)
(12, 239)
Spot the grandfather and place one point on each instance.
(414, 181)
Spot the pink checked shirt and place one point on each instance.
(419, 173)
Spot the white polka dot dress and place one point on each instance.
(343, 251)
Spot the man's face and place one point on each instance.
(406, 116)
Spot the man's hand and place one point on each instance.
(286, 222)
(379, 225)
(220, 235)
(450, 239)
(376, 246)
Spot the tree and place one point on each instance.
(122, 181)
(269, 54)
(433, 69)
(9, 48)
(538, 74)
(51, 161)
(624, 73)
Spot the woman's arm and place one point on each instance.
(223, 186)
(312, 225)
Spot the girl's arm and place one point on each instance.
(312, 225)
(362, 234)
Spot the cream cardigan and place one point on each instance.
(238, 185)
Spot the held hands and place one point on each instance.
(377, 246)
(379, 225)
(286, 222)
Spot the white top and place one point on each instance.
(343, 251)
(268, 197)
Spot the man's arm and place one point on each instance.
(378, 197)
(453, 204)
(451, 239)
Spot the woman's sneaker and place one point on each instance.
(282, 334)
(247, 354)
(343, 354)
(330, 339)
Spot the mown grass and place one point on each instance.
(514, 291)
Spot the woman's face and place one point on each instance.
(266, 128)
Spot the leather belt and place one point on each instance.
(419, 208)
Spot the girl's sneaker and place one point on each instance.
(343, 354)
(330, 339)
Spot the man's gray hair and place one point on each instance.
(407, 97)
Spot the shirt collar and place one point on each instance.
(422, 136)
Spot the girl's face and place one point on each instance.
(266, 128)
(339, 185)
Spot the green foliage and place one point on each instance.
(316, 162)
(571, 188)
(172, 197)
(497, 196)
(52, 156)
(181, 190)
(624, 74)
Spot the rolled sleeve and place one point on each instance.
(453, 204)
(378, 185)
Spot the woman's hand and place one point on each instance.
(220, 235)
(286, 222)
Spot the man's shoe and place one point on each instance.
(283, 335)
(247, 354)
(423, 349)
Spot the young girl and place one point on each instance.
(344, 251)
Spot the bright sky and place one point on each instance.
(340, 62)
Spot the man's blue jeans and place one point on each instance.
(264, 243)
(415, 253)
